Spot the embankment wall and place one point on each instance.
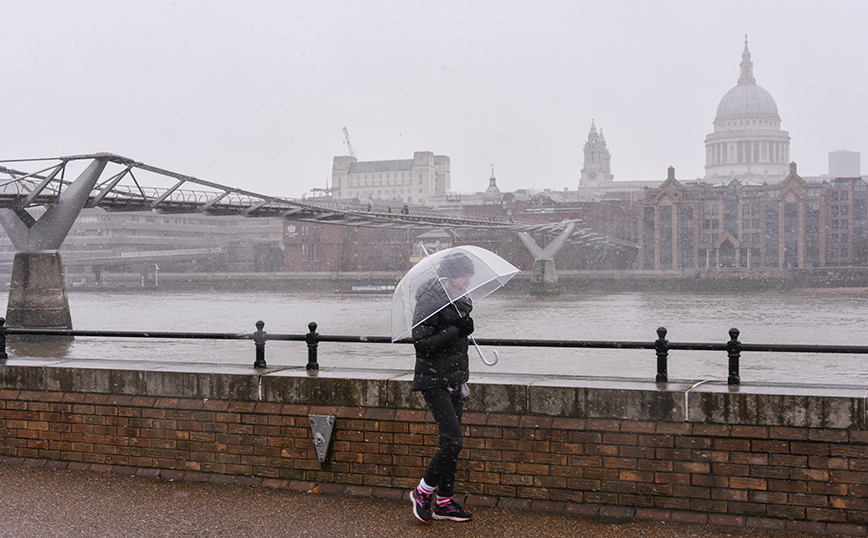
(729, 279)
(788, 457)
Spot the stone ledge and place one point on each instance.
(566, 397)
(809, 406)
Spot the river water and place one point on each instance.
(836, 316)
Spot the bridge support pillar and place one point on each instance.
(37, 292)
(544, 278)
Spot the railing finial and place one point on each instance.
(733, 351)
(3, 355)
(312, 339)
(259, 341)
(661, 346)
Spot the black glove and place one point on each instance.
(465, 326)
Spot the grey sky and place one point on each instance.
(255, 94)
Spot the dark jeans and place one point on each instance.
(447, 408)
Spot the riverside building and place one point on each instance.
(102, 242)
(739, 223)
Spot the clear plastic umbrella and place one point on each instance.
(490, 272)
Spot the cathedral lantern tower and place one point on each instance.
(747, 138)
(597, 168)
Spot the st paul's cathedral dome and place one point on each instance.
(747, 138)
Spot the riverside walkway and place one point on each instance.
(56, 499)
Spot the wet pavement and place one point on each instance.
(38, 501)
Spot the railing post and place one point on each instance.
(312, 339)
(3, 355)
(661, 346)
(259, 340)
(733, 351)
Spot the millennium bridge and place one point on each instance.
(41, 198)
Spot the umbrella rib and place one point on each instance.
(497, 278)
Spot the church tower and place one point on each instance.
(492, 191)
(597, 167)
(747, 138)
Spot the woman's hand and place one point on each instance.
(465, 326)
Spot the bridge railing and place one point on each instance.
(661, 346)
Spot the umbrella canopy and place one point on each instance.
(489, 271)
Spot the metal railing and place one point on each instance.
(661, 346)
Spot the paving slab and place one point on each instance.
(41, 501)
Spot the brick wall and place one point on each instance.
(632, 450)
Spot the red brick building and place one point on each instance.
(742, 223)
(334, 248)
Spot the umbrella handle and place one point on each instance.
(482, 356)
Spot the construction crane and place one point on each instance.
(349, 144)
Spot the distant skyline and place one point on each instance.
(256, 94)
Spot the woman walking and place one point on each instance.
(441, 375)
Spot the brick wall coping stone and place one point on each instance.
(791, 405)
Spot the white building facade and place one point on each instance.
(747, 138)
(404, 181)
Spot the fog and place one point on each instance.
(256, 94)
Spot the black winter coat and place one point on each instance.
(441, 352)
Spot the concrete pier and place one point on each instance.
(37, 292)
(544, 278)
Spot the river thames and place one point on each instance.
(827, 316)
